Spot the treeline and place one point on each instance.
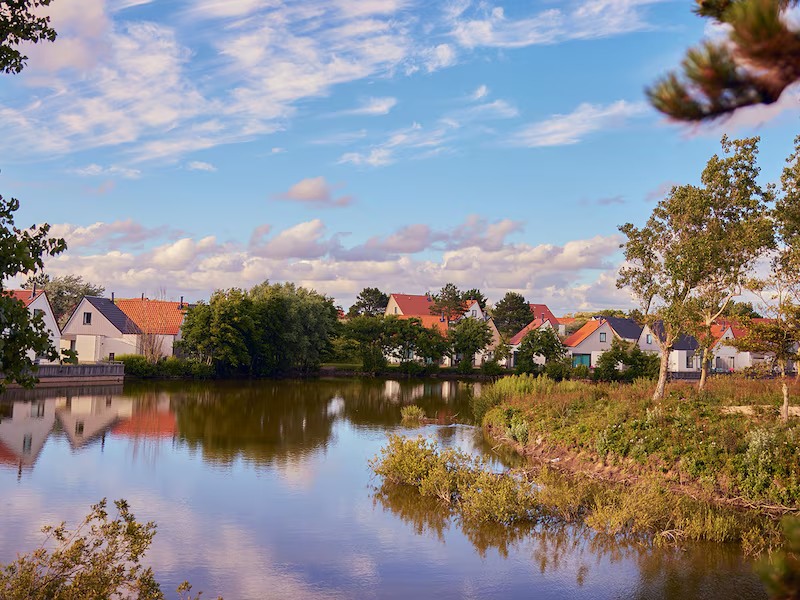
(268, 330)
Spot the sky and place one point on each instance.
(190, 145)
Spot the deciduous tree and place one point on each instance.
(21, 22)
(468, 337)
(542, 342)
(64, 293)
(448, 303)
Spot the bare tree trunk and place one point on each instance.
(658, 395)
(704, 368)
(785, 390)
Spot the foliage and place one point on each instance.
(635, 363)
(692, 254)
(69, 357)
(22, 251)
(412, 414)
(511, 314)
(475, 294)
(140, 367)
(740, 310)
(369, 334)
(780, 572)
(542, 342)
(492, 368)
(64, 293)
(449, 303)
(101, 558)
(370, 302)
(269, 330)
(755, 64)
(468, 337)
(20, 23)
(515, 386)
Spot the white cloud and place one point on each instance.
(480, 93)
(562, 130)
(410, 142)
(114, 234)
(316, 191)
(198, 165)
(372, 107)
(439, 57)
(95, 170)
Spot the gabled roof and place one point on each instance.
(541, 309)
(684, 342)
(154, 316)
(584, 332)
(520, 335)
(413, 305)
(429, 321)
(24, 296)
(113, 313)
(566, 320)
(627, 329)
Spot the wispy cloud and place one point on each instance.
(371, 107)
(563, 130)
(480, 93)
(198, 165)
(95, 170)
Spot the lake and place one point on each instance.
(263, 490)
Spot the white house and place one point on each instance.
(516, 341)
(726, 357)
(158, 320)
(98, 330)
(37, 303)
(590, 341)
(22, 437)
(685, 355)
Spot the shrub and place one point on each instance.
(492, 367)
(412, 414)
(168, 368)
(581, 372)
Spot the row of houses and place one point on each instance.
(101, 328)
(585, 345)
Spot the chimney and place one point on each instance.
(142, 295)
(181, 306)
(542, 317)
(33, 291)
(112, 297)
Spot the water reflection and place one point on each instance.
(262, 489)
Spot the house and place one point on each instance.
(37, 303)
(159, 322)
(541, 312)
(98, 330)
(516, 340)
(23, 435)
(684, 357)
(726, 357)
(587, 344)
(625, 329)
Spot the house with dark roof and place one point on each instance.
(98, 330)
(684, 357)
(37, 303)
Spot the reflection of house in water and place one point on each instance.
(24, 427)
(84, 418)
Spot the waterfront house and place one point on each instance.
(159, 323)
(37, 304)
(516, 340)
(587, 344)
(98, 330)
(685, 356)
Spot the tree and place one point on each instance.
(101, 558)
(475, 294)
(370, 302)
(20, 23)
(691, 256)
(511, 314)
(542, 342)
(740, 310)
(755, 64)
(21, 252)
(467, 337)
(731, 215)
(369, 333)
(449, 303)
(635, 363)
(64, 293)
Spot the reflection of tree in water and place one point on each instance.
(693, 571)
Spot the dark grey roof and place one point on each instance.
(627, 329)
(113, 313)
(684, 342)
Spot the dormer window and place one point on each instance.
(87, 318)
(602, 337)
(649, 338)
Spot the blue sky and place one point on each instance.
(191, 145)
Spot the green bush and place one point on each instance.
(492, 367)
(412, 414)
(581, 372)
(168, 368)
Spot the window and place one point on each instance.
(649, 338)
(689, 361)
(27, 443)
(108, 401)
(87, 318)
(602, 337)
(37, 410)
(37, 312)
(72, 345)
(79, 428)
(474, 313)
(111, 356)
(395, 310)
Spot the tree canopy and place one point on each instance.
(370, 302)
(757, 61)
(511, 314)
(20, 22)
(543, 342)
(468, 337)
(449, 303)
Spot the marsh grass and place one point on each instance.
(412, 414)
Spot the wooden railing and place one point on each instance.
(105, 369)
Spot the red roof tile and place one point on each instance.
(588, 329)
(154, 316)
(24, 296)
(429, 321)
(412, 305)
(520, 335)
(7, 457)
(541, 309)
(148, 425)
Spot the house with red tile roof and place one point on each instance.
(158, 320)
(37, 303)
(516, 340)
(587, 344)
(726, 358)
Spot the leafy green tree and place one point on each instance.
(691, 255)
(468, 337)
(755, 64)
(511, 314)
(633, 362)
(730, 213)
(780, 571)
(21, 23)
(21, 252)
(475, 294)
(542, 342)
(64, 293)
(449, 303)
(370, 302)
(369, 333)
(101, 558)
(740, 310)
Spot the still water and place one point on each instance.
(262, 490)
